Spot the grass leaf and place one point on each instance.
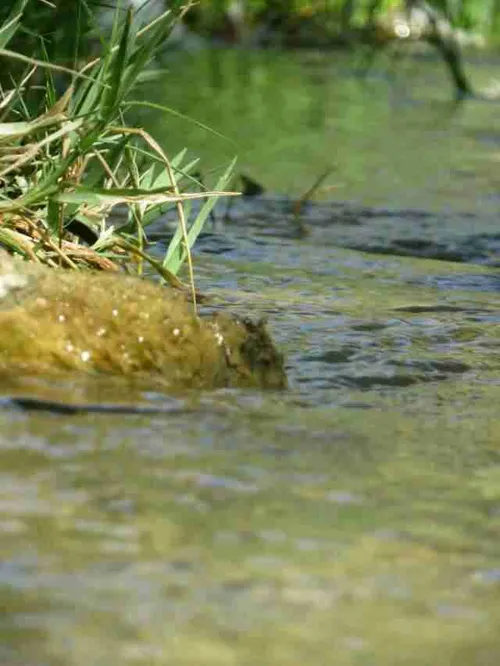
(176, 254)
(11, 25)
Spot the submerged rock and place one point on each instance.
(54, 321)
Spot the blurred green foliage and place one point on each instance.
(478, 15)
(55, 24)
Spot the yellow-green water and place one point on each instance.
(353, 520)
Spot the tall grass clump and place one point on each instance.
(67, 161)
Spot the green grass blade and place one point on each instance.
(50, 88)
(112, 97)
(153, 212)
(115, 195)
(182, 116)
(11, 25)
(148, 41)
(176, 254)
(54, 213)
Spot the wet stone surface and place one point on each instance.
(55, 321)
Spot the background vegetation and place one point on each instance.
(482, 16)
(68, 156)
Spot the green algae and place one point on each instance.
(59, 321)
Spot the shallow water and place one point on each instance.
(353, 520)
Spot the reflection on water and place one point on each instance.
(397, 138)
(353, 520)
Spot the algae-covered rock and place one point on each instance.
(54, 321)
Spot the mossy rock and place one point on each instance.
(56, 321)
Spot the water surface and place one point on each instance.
(353, 520)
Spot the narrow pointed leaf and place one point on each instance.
(176, 253)
(11, 25)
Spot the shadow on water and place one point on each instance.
(353, 519)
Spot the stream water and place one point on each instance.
(352, 520)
